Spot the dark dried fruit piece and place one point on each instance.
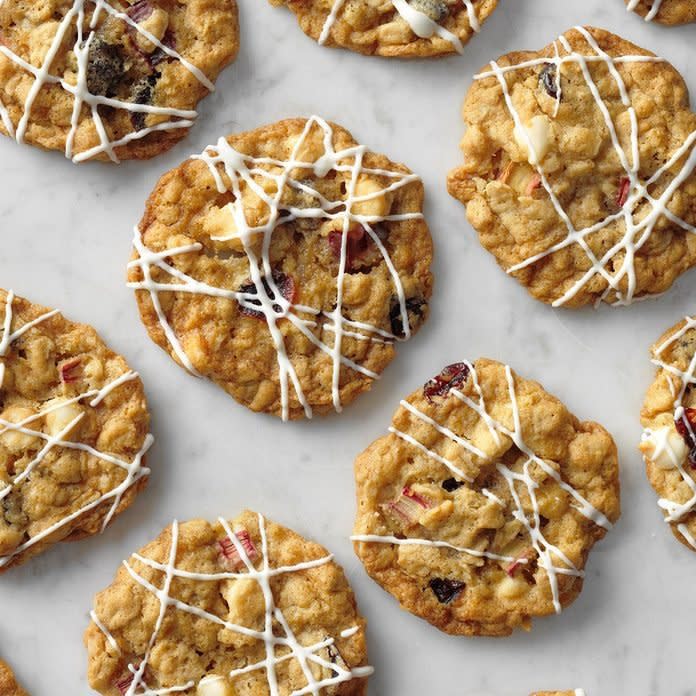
(104, 68)
(451, 377)
(142, 94)
(451, 484)
(549, 80)
(446, 590)
(356, 244)
(415, 307)
(284, 283)
(689, 436)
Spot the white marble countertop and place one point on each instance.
(66, 234)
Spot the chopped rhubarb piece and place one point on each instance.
(451, 377)
(624, 189)
(69, 372)
(284, 283)
(408, 493)
(520, 560)
(533, 185)
(140, 11)
(124, 683)
(229, 552)
(446, 590)
(504, 176)
(356, 244)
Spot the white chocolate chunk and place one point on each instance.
(535, 139)
(59, 418)
(214, 685)
(511, 588)
(664, 447)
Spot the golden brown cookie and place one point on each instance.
(392, 28)
(479, 509)
(117, 79)
(669, 436)
(73, 431)
(578, 169)
(238, 608)
(668, 12)
(8, 683)
(284, 264)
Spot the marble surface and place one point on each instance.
(66, 234)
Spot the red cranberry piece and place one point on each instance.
(284, 283)
(689, 436)
(451, 377)
(624, 190)
(356, 244)
(446, 590)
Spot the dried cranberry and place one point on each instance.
(284, 283)
(681, 425)
(624, 189)
(356, 244)
(451, 484)
(414, 307)
(548, 80)
(446, 590)
(451, 377)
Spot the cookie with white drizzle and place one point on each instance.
(8, 682)
(110, 79)
(73, 431)
(669, 436)
(284, 264)
(234, 608)
(393, 28)
(669, 12)
(479, 509)
(579, 169)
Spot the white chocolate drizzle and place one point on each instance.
(638, 226)
(549, 557)
(679, 381)
(421, 25)
(134, 470)
(632, 6)
(276, 633)
(267, 300)
(82, 98)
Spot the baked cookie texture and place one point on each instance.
(238, 608)
(392, 28)
(670, 12)
(578, 169)
(575, 692)
(73, 431)
(110, 80)
(669, 436)
(478, 510)
(8, 683)
(284, 264)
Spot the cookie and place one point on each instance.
(113, 79)
(479, 509)
(73, 431)
(392, 28)
(8, 683)
(668, 12)
(284, 264)
(575, 692)
(238, 608)
(669, 436)
(579, 170)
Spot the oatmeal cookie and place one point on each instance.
(225, 609)
(8, 683)
(479, 509)
(392, 28)
(73, 431)
(670, 12)
(117, 79)
(579, 169)
(669, 436)
(284, 264)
